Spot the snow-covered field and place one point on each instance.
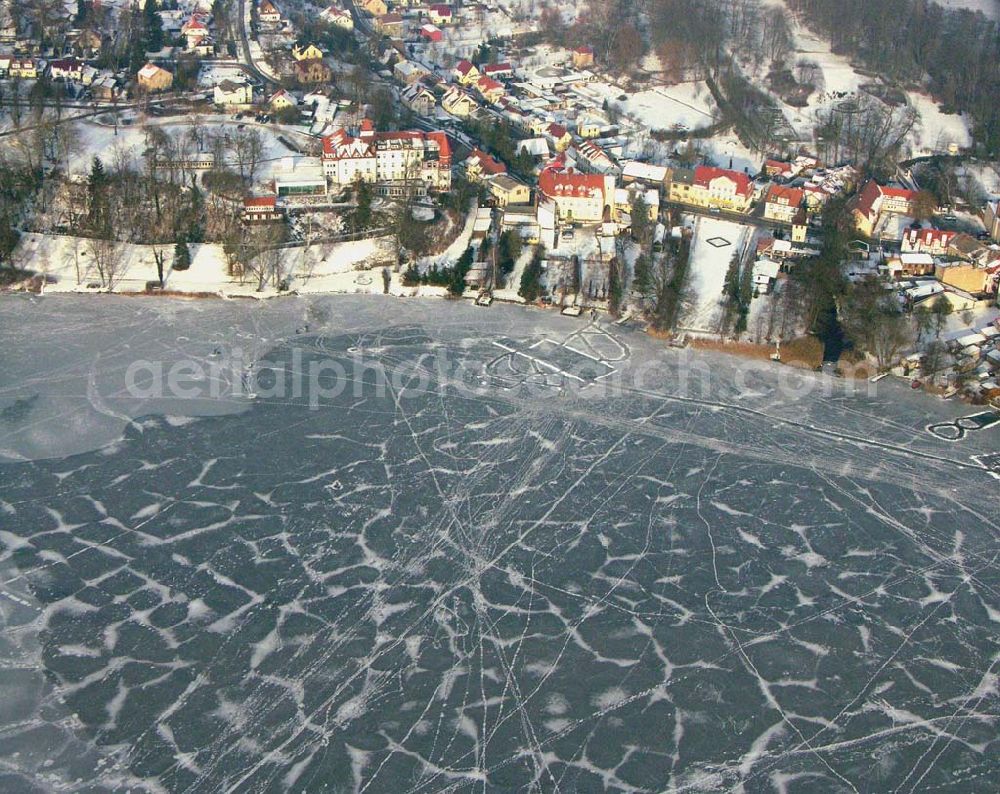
(688, 105)
(715, 243)
(69, 265)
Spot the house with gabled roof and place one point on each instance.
(337, 17)
(441, 14)
(465, 73)
(458, 102)
(926, 241)
(585, 198)
(490, 90)
(480, 166)
(153, 78)
(268, 13)
(710, 187)
(782, 203)
(874, 200)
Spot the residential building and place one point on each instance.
(282, 100)
(390, 25)
(306, 51)
(490, 89)
(231, 93)
(153, 78)
(397, 162)
(458, 102)
(589, 127)
(24, 68)
(311, 72)
(874, 200)
(585, 198)
(337, 17)
(375, 8)
(499, 71)
(268, 13)
(408, 72)
(194, 31)
(440, 14)
(558, 136)
(782, 203)
(87, 43)
(710, 187)
(481, 166)
(583, 57)
(262, 209)
(625, 198)
(657, 176)
(66, 69)
(505, 190)
(991, 218)
(419, 99)
(926, 241)
(465, 73)
(595, 158)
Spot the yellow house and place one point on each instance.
(507, 190)
(458, 103)
(589, 127)
(559, 136)
(306, 52)
(282, 100)
(153, 78)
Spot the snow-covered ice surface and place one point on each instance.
(602, 564)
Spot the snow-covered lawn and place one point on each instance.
(936, 130)
(714, 244)
(687, 105)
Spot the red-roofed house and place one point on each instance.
(268, 13)
(258, 209)
(926, 241)
(465, 73)
(583, 57)
(559, 137)
(480, 166)
(397, 162)
(431, 33)
(588, 198)
(498, 71)
(873, 200)
(782, 203)
(440, 14)
(712, 187)
(490, 89)
(66, 69)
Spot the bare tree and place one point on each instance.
(108, 259)
(248, 148)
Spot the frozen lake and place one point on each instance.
(545, 553)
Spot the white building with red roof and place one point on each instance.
(441, 14)
(782, 203)
(584, 198)
(926, 241)
(499, 71)
(397, 162)
(874, 200)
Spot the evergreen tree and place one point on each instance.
(152, 27)
(643, 282)
(182, 255)
(531, 288)
(97, 193)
